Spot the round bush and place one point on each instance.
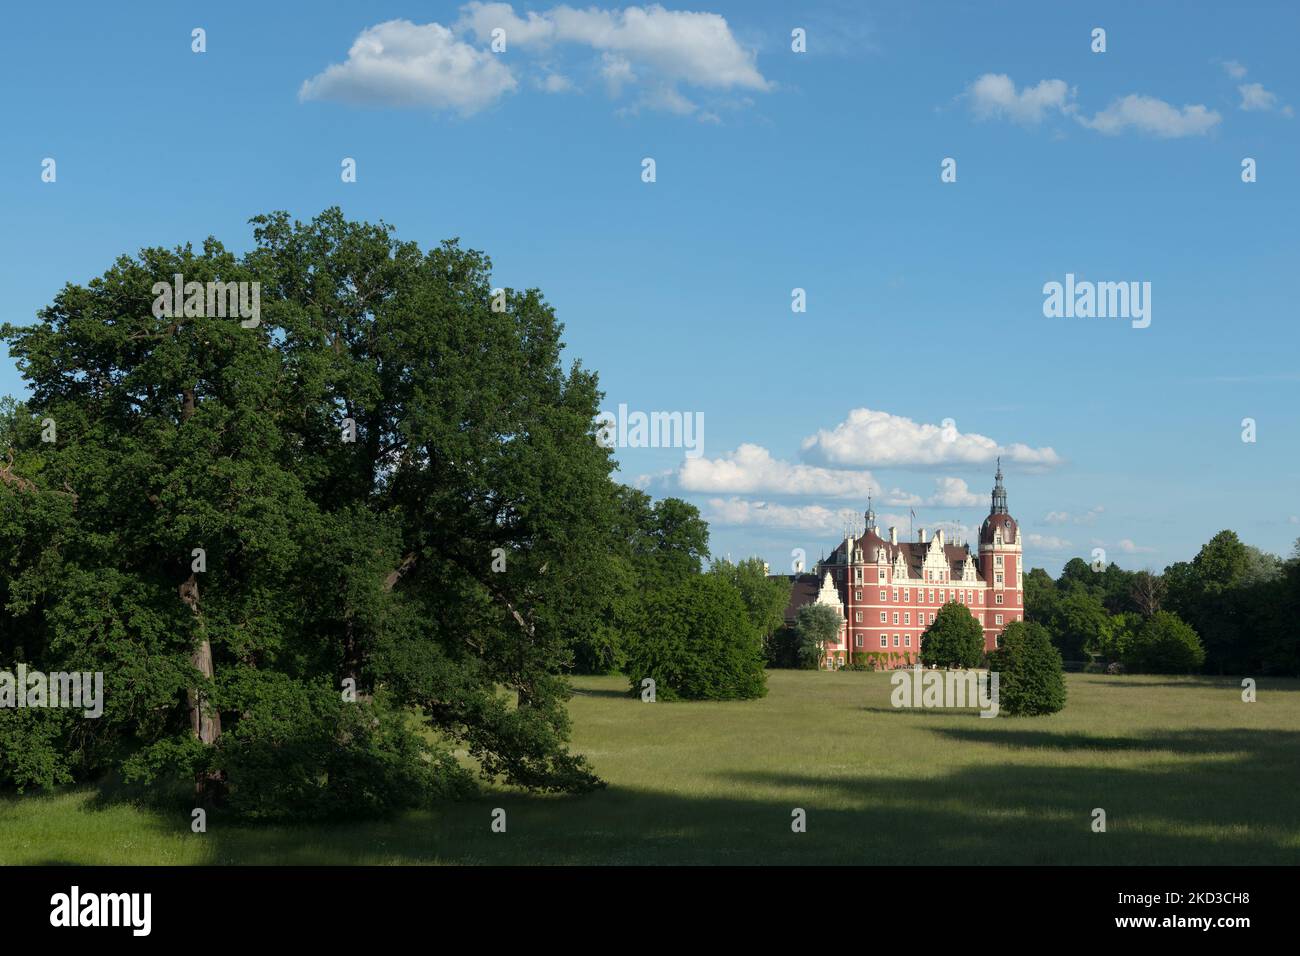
(1030, 680)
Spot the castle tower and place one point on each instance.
(1000, 565)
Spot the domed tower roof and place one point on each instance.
(999, 518)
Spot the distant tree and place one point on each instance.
(1164, 645)
(1080, 626)
(1116, 589)
(1077, 571)
(765, 597)
(1260, 567)
(816, 625)
(698, 644)
(1147, 593)
(1040, 596)
(1221, 564)
(1030, 680)
(955, 639)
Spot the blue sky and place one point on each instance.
(775, 170)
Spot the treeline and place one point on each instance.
(1233, 609)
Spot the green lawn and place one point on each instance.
(1186, 772)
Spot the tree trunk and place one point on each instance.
(205, 720)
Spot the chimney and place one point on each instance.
(940, 536)
(893, 536)
(920, 536)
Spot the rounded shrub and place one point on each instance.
(1030, 680)
(698, 643)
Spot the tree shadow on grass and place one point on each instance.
(1214, 797)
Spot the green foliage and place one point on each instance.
(1080, 624)
(1163, 645)
(955, 639)
(653, 546)
(765, 597)
(698, 643)
(816, 626)
(1030, 678)
(326, 560)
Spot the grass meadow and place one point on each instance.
(1186, 772)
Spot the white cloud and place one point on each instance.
(877, 438)
(751, 469)
(637, 45)
(995, 95)
(1146, 114)
(481, 19)
(1255, 97)
(400, 63)
(952, 493)
(1128, 547)
(696, 48)
(555, 83)
(403, 64)
(1065, 517)
(1234, 69)
(1041, 542)
(740, 511)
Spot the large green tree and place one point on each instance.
(393, 481)
(955, 639)
(698, 644)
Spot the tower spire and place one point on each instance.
(999, 506)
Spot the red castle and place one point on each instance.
(888, 591)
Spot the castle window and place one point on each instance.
(895, 617)
(857, 575)
(882, 596)
(857, 640)
(907, 640)
(857, 617)
(929, 595)
(999, 598)
(1018, 601)
(907, 618)
(999, 578)
(895, 640)
(857, 595)
(997, 560)
(931, 618)
(997, 618)
(884, 618)
(895, 594)
(907, 594)
(884, 640)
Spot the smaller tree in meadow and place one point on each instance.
(955, 639)
(697, 643)
(1030, 680)
(816, 625)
